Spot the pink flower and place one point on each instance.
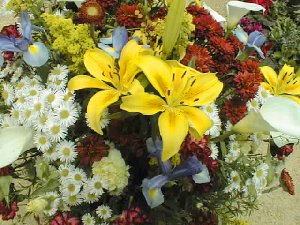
(64, 219)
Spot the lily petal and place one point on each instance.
(145, 103)
(135, 87)
(198, 120)
(82, 81)
(36, 55)
(97, 104)
(237, 9)
(281, 139)
(294, 98)
(173, 128)
(285, 75)
(14, 141)
(270, 75)
(158, 73)
(99, 64)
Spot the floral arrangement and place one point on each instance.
(145, 112)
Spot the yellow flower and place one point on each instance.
(37, 205)
(112, 81)
(286, 84)
(181, 88)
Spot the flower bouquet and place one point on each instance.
(145, 112)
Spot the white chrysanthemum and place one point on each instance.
(56, 131)
(214, 150)
(41, 141)
(66, 113)
(87, 219)
(69, 96)
(216, 128)
(253, 104)
(66, 151)
(8, 121)
(230, 158)
(104, 212)
(72, 200)
(53, 98)
(210, 109)
(27, 117)
(88, 196)
(53, 203)
(59, 72)
(259, 176)
(65, 171)
(78, 176)
(41, 121)
(234, 148)
(50, 154)
(58, 84)
(33, 92)
(69, 187)
(96, 185)
(8, 94)
(104, 120)
(235, 182)
(262, 95)
(6, 71)
(38, 106)
(16, 114)
(17, 74)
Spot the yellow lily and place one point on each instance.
(286, 84)
(181, 88)
(113, 80)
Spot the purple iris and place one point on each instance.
(254, 40)
(34, 54)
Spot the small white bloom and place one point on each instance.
(42, 120)
(41, 141)
(253, 104)
(65, 170)
(53, 98)
(66, 113)
(66, 151)
(69, 187)
(58, 84)
(235, 182)
(88, 196)
(259, 176)
(104, 120)
(104, 212)
(50, 154)
(262, 95)
(8, 121)
(16, 114)
(87, 219)
(58, 72)
(72, 200)
(8, 94)
(53, 203)
(234, 148)
(214, 150)
(96, 185)
(56, 131)
(78, 175)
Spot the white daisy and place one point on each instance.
(53, 203)
(65, 170)
(78, 175)
(41, 121)
(66, 113)
(8, 121)
(262, 95)
(8, 94)
(235, 182)
(53, 98)
(69, 96)
(216, 128)
(38, 106)
(214, 150)
(97, 184)
(50, 154)
(210, 109)
(41, 141)
(16, 114)
(59, 72)
(66, 151)
(104, 120)
(17, 74)
(58, 84)
(69, 187)
(88, 196)
(104, 212)
(56, 131)
(259, 176)
(87, 219)
(27, 117)
(72, 200)
(230, 158)
(253, 104)
(234, 148)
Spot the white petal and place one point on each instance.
(202, 177)
(237, 9)
(14, 141)
(281, 139)
(38, 57)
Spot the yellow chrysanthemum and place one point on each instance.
(286, 84)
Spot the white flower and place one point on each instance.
(16, 114)
(214, 150)
(66, 151)
(88, 196)
(58, 84)
(38, 106)
(58, 72)
(104, 120)
(66, 113)
(104, 212)
(260, 174)
(72, 200)
(65, 170)
(41, 141)
(8, 121)
(41, 121)
(87, 219)
(253, 104)
(262, 95)
(50, 154)
(234, 148)
(53, 98)
(210, 109)
(56, 131)
(96, 185)
(53, 203)
(78, 175)
(235, 182)
(69, 187)
(8, 94)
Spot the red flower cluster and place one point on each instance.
(202, 57)
(90, 149)
(131, 216)
(6, 171)
(64, 219)
(108, 4)
(265, 3)
(8, 212)
(234, 110)
(130, 16)
(284, 151)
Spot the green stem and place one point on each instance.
(223, 136)
(92, 33)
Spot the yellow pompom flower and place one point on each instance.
(37, 205)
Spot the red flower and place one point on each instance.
(108, 4)
(130, 16)
(234, 110)
(287, 182)
(8, 212)
(206, 26)
(196, 10)
(265, 3)
(131, 216)
(220, 46)
(202, 57)
(250, 65)
(285, 150)
(91, 12)
(64, 219)
(90, 149)
(247, 84)
(6, 171)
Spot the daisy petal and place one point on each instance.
(173, 128)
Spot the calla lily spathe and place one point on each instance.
(286, 84)
(181, 89)
(113, 80)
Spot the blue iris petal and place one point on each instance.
(26, 25)
(256, 38)
(38, 56)
(187, 167)
(8, 44)
(241, 35)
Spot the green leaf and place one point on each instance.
(51, 185)
(5, 182)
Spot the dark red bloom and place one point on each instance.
(234, 110)
(159, 14)
(265, 3)
(287, 182)
(250, 65)
(130, 16)
(90, 149)
(237, 45)
(202, 57)
(284, 151)
(206, 27)
(220, 46)
(196, 10)
(247, 84)
(10, 30)
(108, 4)
(6, 171)
(64, 219)
(8, 212)
(131, 216)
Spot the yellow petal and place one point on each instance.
(198, 120)
(158, 73)
(99, 64)
(97, 104)
(144, 103)
(270, 75)
(82, 81)
(203, 90)
(267, 86)
(293, 88)
(285, 74)
(173, 128)
(136, 87)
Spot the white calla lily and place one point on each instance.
(277, 114)
(14, 141)
(281, 139)
(235, 10)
